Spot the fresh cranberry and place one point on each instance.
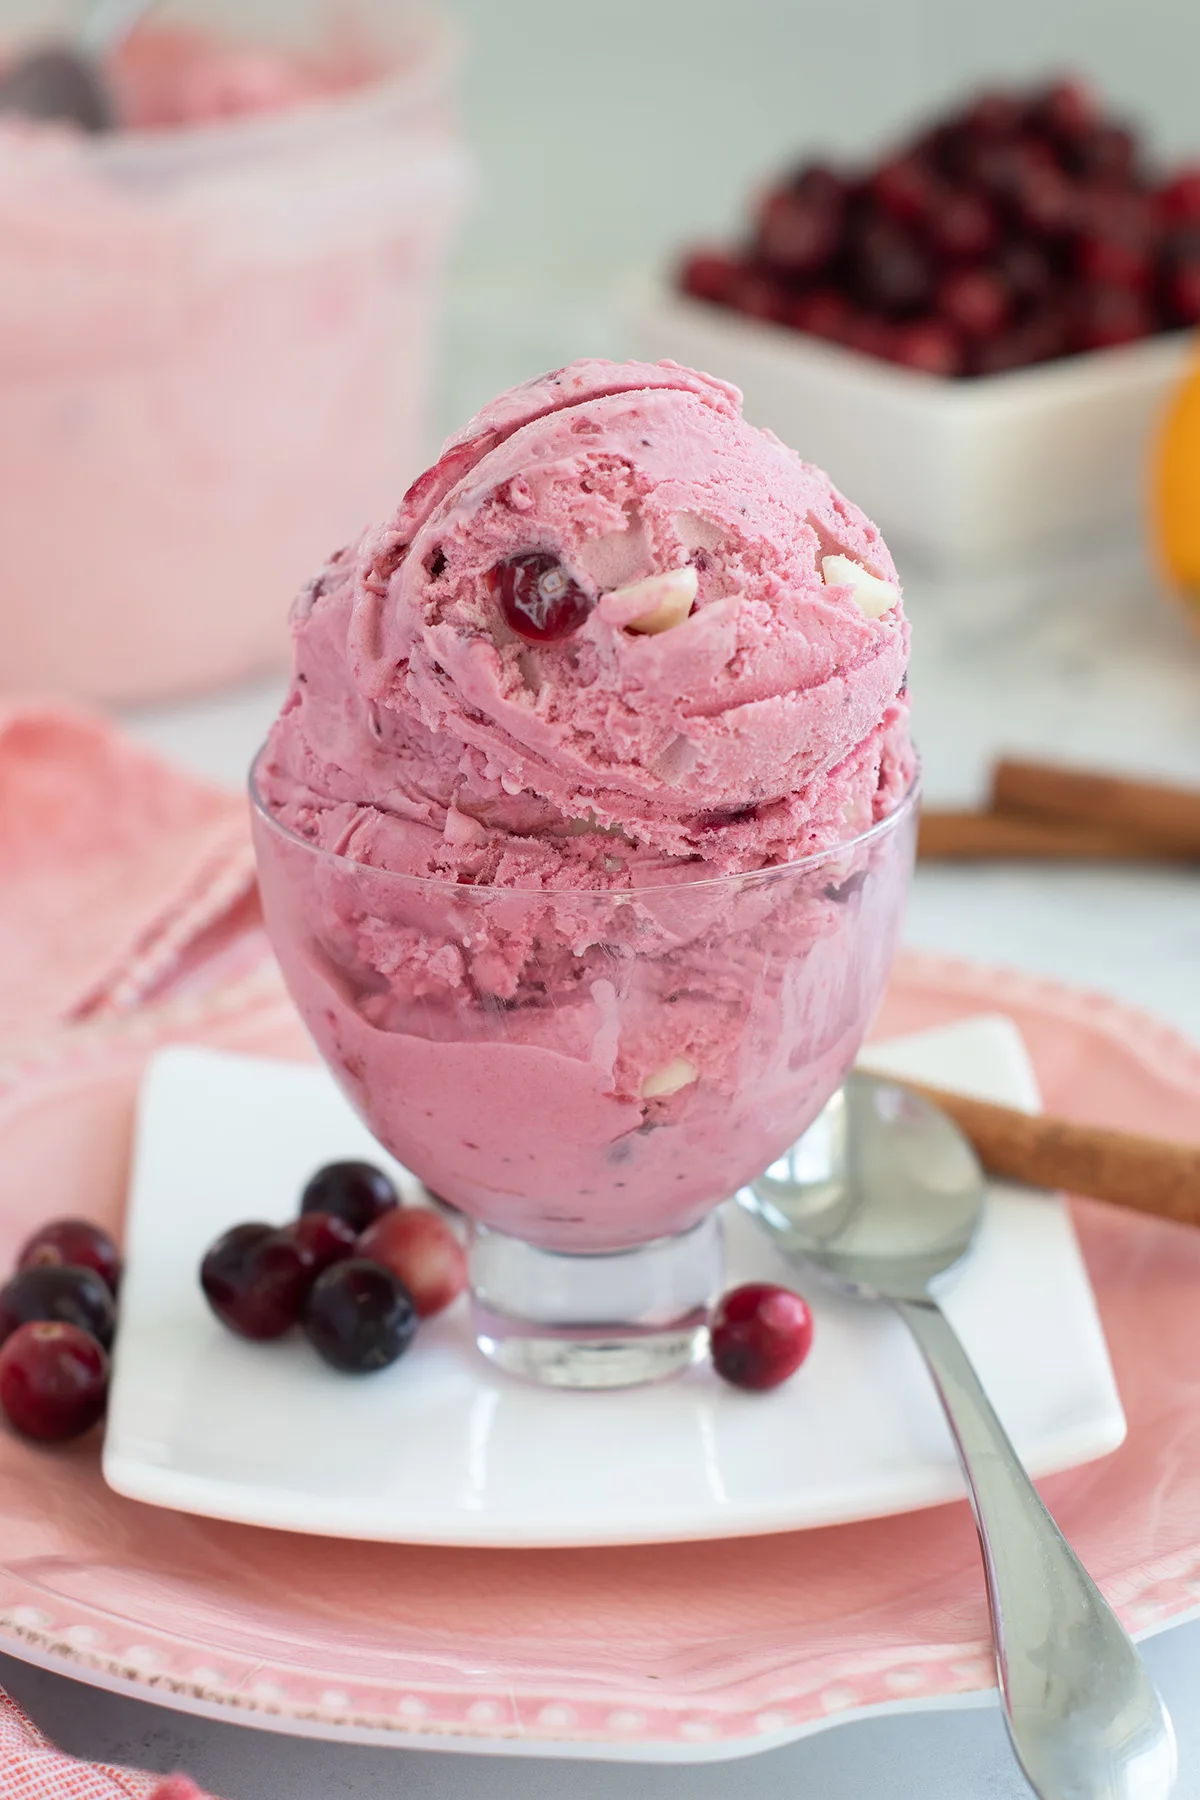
(891, 270)
(1041, 336)
(64, 1293)
(1044, 199)
(994, 114)
(1108, 152)
(975, 301)
(53, 1380)
(867, 333)
(1181, 291)
(823, 312)
(993, 167)
(907, 188)
(1108, 316)
(538, 599)
(355, 1191)
(1026, 271)
(963, 227)
(708, 275)
(1113, 262)
(821, 184)
(1066, 111)
(73, 1241)
(798, 230)
(928, 345)
(256, 1281)
(759, 293)
(760, 1335)
(423, 1252)
(360, 1316)
(1180, 199)
(322, 1239)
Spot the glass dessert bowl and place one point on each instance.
(587, 1075)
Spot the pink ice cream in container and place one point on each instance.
(584, 836)
(215, 334)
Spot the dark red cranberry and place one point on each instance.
(73, 1241)
(256, 1281)
(975, 301)
(1106, 210)
(708, 275)
(354, 1191)
(891, 270)
(1066, 111)
(1039, 337)
(538, 599)
(53, 1380)
(867, 333)
(1179, 200)
(819, 183)
(963, 227)
(323, 1238)
(1026, 271)
(928, 345)
(994, 114)
(760, 1335)
(907, 188)
(993, 167)
(1181, 291)
(421, 1250)
(1113, 262)
(1108, 316)
(799, 228)
(759, 293)
(360, 1316)
(1044, 200)
(1108, 152)
(65, 1293)
(823, 312)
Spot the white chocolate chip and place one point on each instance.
(678, 1073)
(872, 596)
(462, 828)
(657, 603)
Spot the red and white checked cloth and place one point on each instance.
(121, 880)
(32, 1769)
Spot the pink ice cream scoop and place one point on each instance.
(585, 827)
(486, 689)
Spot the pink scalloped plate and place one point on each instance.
(666, 1652)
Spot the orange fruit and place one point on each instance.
(1176, 490)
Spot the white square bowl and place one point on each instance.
(972, 472)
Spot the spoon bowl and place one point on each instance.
(884, 1194)
(883, 1197)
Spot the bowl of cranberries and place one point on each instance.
(974, 334)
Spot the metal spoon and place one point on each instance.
(67, 81)
(884, 1196)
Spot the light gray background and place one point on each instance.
(607, 133)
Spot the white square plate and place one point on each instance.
(442, 1449)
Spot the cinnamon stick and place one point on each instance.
(1163, 813)
(965, 836)
(1145, 1174)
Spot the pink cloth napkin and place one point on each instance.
(121, 880)
(115, 867)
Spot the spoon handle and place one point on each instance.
(1084, 1717)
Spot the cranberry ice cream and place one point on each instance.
(584, 827)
